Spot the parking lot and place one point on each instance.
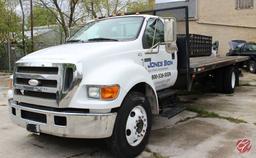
(210, 128)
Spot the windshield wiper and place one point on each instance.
(75, 41)
(102, 39)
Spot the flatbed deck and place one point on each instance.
(203, 64)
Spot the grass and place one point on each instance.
(207, 114)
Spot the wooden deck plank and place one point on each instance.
(205, 61)
(214, 62)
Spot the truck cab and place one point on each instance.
(102, 83)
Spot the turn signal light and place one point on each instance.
(109, 92)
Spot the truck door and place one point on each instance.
(161, 65)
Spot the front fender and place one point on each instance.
(124, 73)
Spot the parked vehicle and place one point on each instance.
(243, 48)
(110, 79)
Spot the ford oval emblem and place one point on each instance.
(33, 82)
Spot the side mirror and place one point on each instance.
(169, 30)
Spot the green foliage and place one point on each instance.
(114, 7)
(140, 5)
(9, 22)
(42, 17)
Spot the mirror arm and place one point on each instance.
(154, 36)
(152, 48)
(174, 47)
(155, 45)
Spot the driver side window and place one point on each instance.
(147, 39)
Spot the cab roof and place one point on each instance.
(133, 15)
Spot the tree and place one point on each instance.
(140, 5)
(9, 30)
(9, 23)
(23, 27)
(115, 7)
(42, 17)
(68, 12)
(66, 18)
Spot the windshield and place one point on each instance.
(113, 29)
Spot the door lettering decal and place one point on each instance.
(157, 64)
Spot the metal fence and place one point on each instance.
(10, 53)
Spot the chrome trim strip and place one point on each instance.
(35, 100)
(36, 76)
(36, 88)
(58, 113)
(38, 64)
(66, 96)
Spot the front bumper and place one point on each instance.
(77, 125)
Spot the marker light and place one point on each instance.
(109, 92)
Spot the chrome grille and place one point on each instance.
(38, 70)
(54, 83)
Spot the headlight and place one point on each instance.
(103, 92)
(94, 92)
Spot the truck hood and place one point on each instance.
(79, 51)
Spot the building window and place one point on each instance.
(244, 4)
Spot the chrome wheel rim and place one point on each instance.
(136, 126)
(233, 80)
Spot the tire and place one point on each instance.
(252, 66)
(229, 80)
(134, 118)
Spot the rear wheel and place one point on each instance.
(252, 66)
(132, 127)
(230, 80)
(227, 79)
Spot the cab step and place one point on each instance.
(166, 93)
(172, 111)
(168, 102)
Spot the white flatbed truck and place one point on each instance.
(108, 81)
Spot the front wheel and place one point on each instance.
(132, 127)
